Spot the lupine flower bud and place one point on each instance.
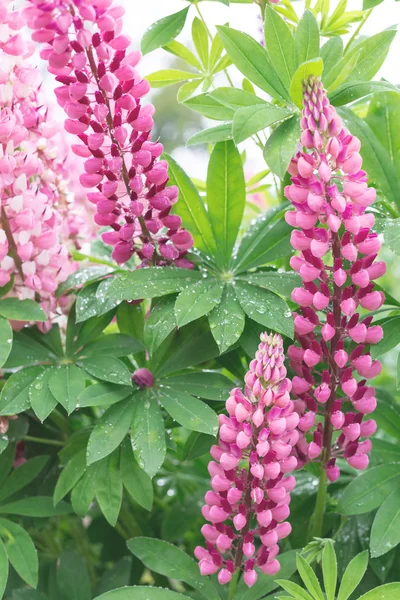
(250, 488)
(329, 192)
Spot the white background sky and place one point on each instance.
(142, 13)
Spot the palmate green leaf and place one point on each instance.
(188, 411)
(160, 322)
(331, 54)
(187, 90)
(253, 61)
(200, 40)
(391, 234)
(142, 593)
(204, 384)
(151, 283)
(113, 344)
(170, 561)
(329, 570)
(293, 588)
(6, 336)
(14, 397)
(130, 320)
(103, 394)
(265, 308)
(209, 107)
(73, 577)
(353, 90)
(3, 444)
(389, 591)
(118, 576)
(180, 50)
(281, 146)
(339, 72)
(197, 300)
(37, 506)
(309, 578)
(66, 383)
(6, 462)
(227, 320)
(82, 277)
(107, 368)
(385, 532)
(83, 492)
(266, 239)
(376, 159)
(28, 594)
(187, 347)
(190, 208)
(21, 551)
(235, 98)
(391, 333)
(275, 281)
(353, 575)
(267, 583)
(42, 399)
(383, 118)
(384, 452)
(3, 569)
(162, 32)
(22, 310)
(369, 490)
(21, 477)
(212, 135)
(251, 119)
(167, 77)
(108, 488)
(137, 483)
(93, 300)
(306, 39)
(110, 430)
(148, 434)
(280, 45)
(371, 54)
(387, 413)
(307, 69)
(196, 445)
(70, 475)
(226, 197)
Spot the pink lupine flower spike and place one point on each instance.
(248, 504)
(337, 263)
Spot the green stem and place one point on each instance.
(320, 505)
(233, 584)
(38, 440)
(357, 31)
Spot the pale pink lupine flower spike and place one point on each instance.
(337, 263)
(34, 249)
(248, 505)
(101, 92)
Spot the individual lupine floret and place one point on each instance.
(101, 92)
(337, 263)
(248, 504)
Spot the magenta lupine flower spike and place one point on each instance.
(248, 505)
(101, 92)
(34, 255)
(337, 263)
